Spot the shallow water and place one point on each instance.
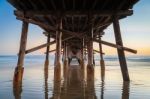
(40, 84)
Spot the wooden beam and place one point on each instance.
(39, 47)
(45, 45)
(50, 27)
(75, 13)
(98, 51)
(94, 4)
(64, 5)
(33, 4)
(121, 53)
(53, 4)
(116, 46)
(52, 51)
(77, 34)
(102, 25)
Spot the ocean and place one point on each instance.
(36, 86)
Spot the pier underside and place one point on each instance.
(73, 25)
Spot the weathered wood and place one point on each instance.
(45, 45)
(121, 53)
(82, 50)
(52, 51)
(47, 51)
(116, 46)
(75, 13)
(65, 61)
(98, 52)
(48, 47)
(79, 36)
(39, 47)
(23, 43)
(51, 27)
(125, 90)
(82, 55)
(58, 43)
(18, 74)
(100, 48)
(90, 49)
(102, 63)
(65, 51)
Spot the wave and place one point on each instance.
(129, 58)
(41, 58)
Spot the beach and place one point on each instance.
(37, 84)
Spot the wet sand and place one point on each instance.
(75, 83)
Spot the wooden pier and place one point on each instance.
(73, 25)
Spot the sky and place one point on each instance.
(135, 31)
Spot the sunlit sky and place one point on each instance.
(135, 31)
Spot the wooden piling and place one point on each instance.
(90, 51)
(121, 53)
(102, 63)
(58, 43)
(93, 58)
(57, 69)
(18, 74)
(65, 55)
(85, 51)
(47, 51)
(65, 61)
(82, 54)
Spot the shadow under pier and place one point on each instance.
(73, 85)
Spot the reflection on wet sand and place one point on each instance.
(102, 89)
(57, 82)
(17, 84)
(125, 90)
(75, 85)
(102, 81)
(17, 90)
(46, 80)
(90, 84)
